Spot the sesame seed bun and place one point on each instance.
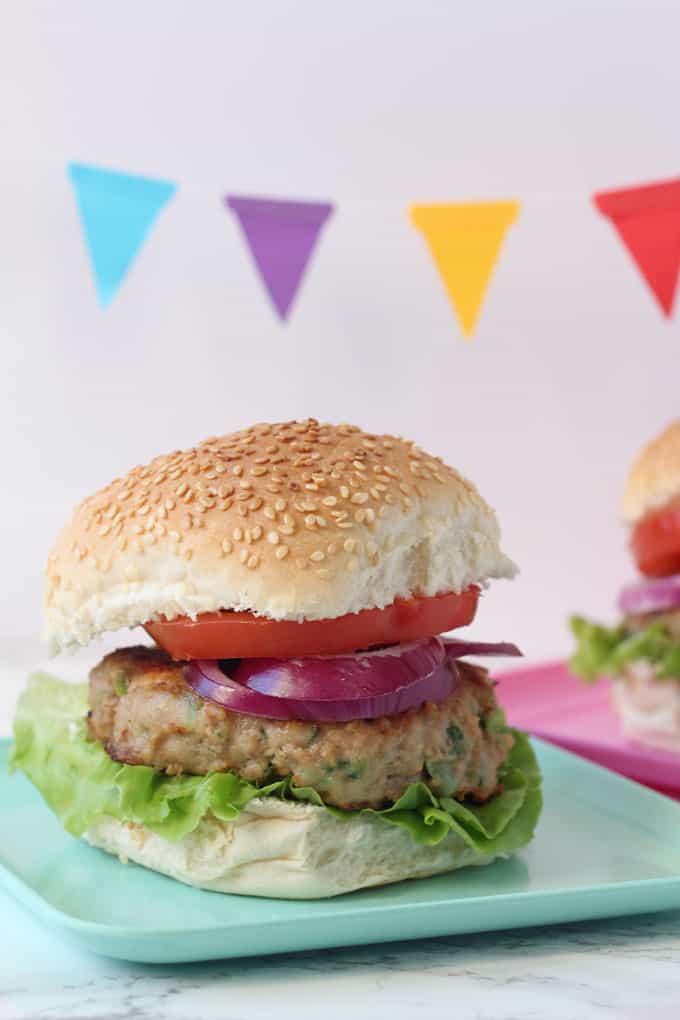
(295, 521)
(654, 478)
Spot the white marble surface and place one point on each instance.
(621, 969)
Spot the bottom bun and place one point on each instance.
(649, 708)
(284, 850)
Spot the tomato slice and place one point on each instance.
(655, 542)
(230, 635)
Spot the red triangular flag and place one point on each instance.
(647, 219)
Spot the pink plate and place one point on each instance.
(547, 701)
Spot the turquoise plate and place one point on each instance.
(604, 847)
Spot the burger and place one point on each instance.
(298, 728)
(641, 653)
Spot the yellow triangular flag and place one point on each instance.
(465, 239)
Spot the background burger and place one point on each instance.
(299, 729)
(642, 652)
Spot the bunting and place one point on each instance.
(117, 211)
(647, 219)
(465, 239)
(281, 236)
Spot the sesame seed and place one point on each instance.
(344, 524)
(349, 544)
(282, 552)
(253, 561)
(273, 537)
(237, 469)
(286, 529)
(369, 515)
(226, 546)
(187, 553)
(331, 549)
(255, 504)
(310, 521)
(359, 497)
(280, 505)
(181, 489)
(243, 555)
(237, 534)
(104, 530)
(271, 514)
(359, 516)
(344, 492)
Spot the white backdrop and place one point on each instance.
(374, 106)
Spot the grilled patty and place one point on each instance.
(144, 713)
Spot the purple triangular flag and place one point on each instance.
(281, 236)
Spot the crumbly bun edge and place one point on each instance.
(285, 851)
(295, 521)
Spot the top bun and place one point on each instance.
(654, 478)
(297, 521)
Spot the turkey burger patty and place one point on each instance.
(144, 712)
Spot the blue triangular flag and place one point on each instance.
(117, 211)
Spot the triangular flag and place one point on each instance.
(465, 239)
(281, 236)
(117, 211)
(647, 219)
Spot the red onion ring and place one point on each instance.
(339, 688)
(456, 648)
(650, 596)
(366, 685)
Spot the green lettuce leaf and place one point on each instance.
(81, 784)
(604, 651)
